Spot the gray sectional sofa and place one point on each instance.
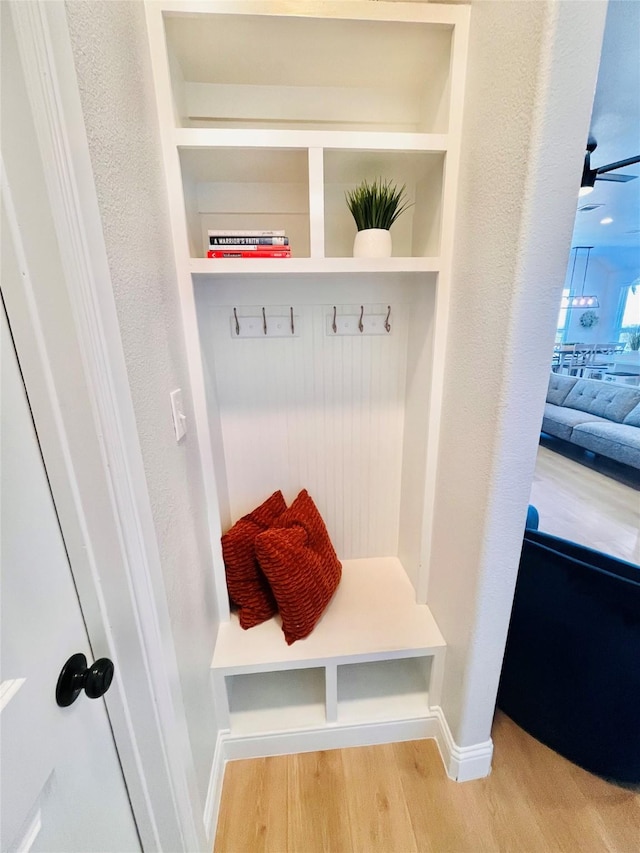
(597, 416)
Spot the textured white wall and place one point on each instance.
(532, 73)
(114, 75)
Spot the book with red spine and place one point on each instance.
(280, 252)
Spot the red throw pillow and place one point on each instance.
(247, 585)
(301, 566)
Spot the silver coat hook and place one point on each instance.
(360, 324)
(235, 314)
(387, 325)
(334, 325)
(264, 321)
(293, 328)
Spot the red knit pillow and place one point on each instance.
(301, 566)
(248, 587)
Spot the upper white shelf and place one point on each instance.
(297, 266)
(190, 137)
(373, 615)
(359, 66)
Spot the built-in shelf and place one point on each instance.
(273, 701)
(186, 138)
(372, 615)
(375, 656)
(302, 190)
(235, 70)
(316, 266)
(383, 690)
(269, 115)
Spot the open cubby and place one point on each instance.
(272, 701)
(417, 231)
(384, 689)
(286, 72)
(246, 188)
(269, 188)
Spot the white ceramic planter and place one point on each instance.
(372, 243)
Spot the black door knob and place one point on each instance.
(76, 676)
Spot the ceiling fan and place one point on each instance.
(602, 173)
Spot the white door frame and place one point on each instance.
(101, 497)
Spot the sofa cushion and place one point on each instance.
(633, 418)
(560, 421)
(248, 588)
(559, 387)
(616, 441)
(602, 399)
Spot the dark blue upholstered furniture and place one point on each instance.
(533, 518)
(571, 671)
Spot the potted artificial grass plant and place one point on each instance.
(375, 207)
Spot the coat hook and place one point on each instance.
(334, 325)
(293, 328)
(387, 325)
(360, 324)
(235, 314)
(264, 321)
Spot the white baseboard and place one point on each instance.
(331, 736)
(462, 763)
(214, 792)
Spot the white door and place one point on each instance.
(62, 786)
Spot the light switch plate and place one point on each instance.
(177, 410)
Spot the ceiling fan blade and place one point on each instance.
(620, 179)
(619, 164)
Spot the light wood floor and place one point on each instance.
(396, 798)
(580, 503)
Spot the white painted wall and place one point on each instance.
(532, 73)
(114, 75)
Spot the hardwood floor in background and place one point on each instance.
(579, 502)
(396, 798)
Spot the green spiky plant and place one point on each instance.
(377, 204)
(634, 339)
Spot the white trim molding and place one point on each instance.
(462, 763)
(109, 528)
(328, 737)
(214, 791)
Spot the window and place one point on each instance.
(562, 316)
(630, 314)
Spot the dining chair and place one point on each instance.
(603, 355)
(577, 360)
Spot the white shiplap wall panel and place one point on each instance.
(315, 412)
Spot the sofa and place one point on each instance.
(570, 675)
(597, 416)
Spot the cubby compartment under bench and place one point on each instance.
(375, 656)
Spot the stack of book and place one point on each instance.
(248, 244)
